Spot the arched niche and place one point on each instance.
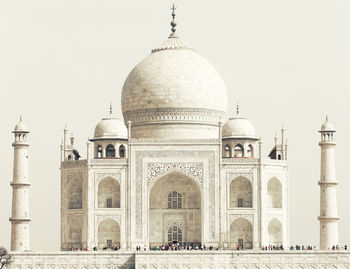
(75, 194)
(241, 234)
(163, 215)
(275, 232)
(274, 193)
(74, 227)
(250, 151)
(241, 192)
(108, 193)
(108, 235)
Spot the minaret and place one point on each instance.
(20, 185)
(328, 205)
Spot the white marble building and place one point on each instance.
(175, 168)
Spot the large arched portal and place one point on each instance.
(174, 210)
(241, 234)
(108, 234)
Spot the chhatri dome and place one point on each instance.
(174, 93)
(327, 126)
(110, 127)
(238, 127)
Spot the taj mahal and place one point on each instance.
(175, 168)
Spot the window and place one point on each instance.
(174, 235)
(121, 151)
(110, 151)
(109, 202)
(241, 243)
(240, 202)
(174, 200)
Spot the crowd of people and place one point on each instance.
(197, 246)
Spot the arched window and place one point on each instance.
(250, 152)
(121, 151)
(174, 235)
(238, 151)
(174, 200)
(274, 193)
(69, 157)
(110, 151)
(99, 151)
(227, 152)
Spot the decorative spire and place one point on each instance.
(326, 117)
(110, 109)
(20, 118)
(173, 22)
(237, 109)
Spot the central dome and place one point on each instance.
(173, 86)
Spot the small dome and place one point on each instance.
(111, 128)
(327, 126)
(21, 127)
(238, 127)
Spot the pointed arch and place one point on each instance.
(250, 151)
(274, 193)
(108, 235)
(110, 151)
(122, 151)
(184, 196)
(241, 192)
(241, 233)
(75, 193)
(108, 193)
(99, 151)
(238, 151)
(227, 151)
(275, 232)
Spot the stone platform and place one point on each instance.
(184, 260)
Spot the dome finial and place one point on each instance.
(110, 109)
(326, 117)
(173, 22)
(237, 109)
(20, 118)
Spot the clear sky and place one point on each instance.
(63, 62)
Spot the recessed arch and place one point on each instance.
(110, 151)
(275, 232)
(74, 232)
(108, 235)
(238, 151)
(108, 193)
(241, 192)
(75, 193)
(186, 218)
(274, 193)
(241, 233)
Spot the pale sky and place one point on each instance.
(63, 62)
